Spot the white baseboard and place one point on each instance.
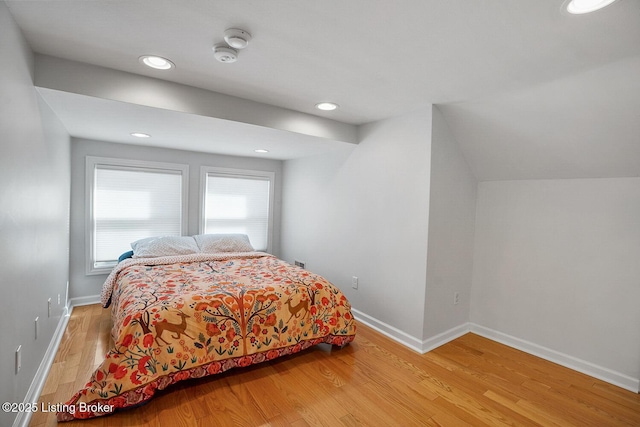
(444, 337)
(389, 331)
(588, 368)
(33, 393)
(88, 300)
(421, 346)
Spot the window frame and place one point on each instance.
(93, 162)
(269, 176)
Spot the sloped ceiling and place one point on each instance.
(528, 90)
(585, 125)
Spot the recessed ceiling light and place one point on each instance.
(261, 150)
(578, 7)
(326, 106)
(157, 62)
(140, 135)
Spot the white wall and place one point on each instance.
(557, 265)
(364, 212)
(105, 83)
(34, 217)
(84, 288)
(452, 210)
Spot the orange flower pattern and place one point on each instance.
(190, 316)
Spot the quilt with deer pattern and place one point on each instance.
(189, 316)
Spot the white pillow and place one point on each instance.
(153, 247)
(212, 243)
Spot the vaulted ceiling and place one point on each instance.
(528, 90)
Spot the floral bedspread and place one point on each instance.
(195, 315)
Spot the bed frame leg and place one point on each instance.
(339, 347)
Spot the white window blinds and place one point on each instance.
(238, 204)
(131, 203)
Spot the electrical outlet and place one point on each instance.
(49, 307)
(18, 358)
(36, 322)
(354, 282)
(456, 298)
(58, 299)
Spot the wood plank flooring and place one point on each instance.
(372, 382)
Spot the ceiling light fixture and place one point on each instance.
(326, 106)
(225, 54)
(237, 38)
(578, 7)
(261, 150)
(140, 135)
(157, 62)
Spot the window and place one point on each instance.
(130, 200)
(238, 201)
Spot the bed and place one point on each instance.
(188, 313)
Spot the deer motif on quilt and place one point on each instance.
(178, 329)
(295, 310)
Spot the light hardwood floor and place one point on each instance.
(373, 381)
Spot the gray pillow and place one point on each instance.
(153, 247)
(212, 243)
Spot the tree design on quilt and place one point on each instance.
(237, 318)
(151, 299)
